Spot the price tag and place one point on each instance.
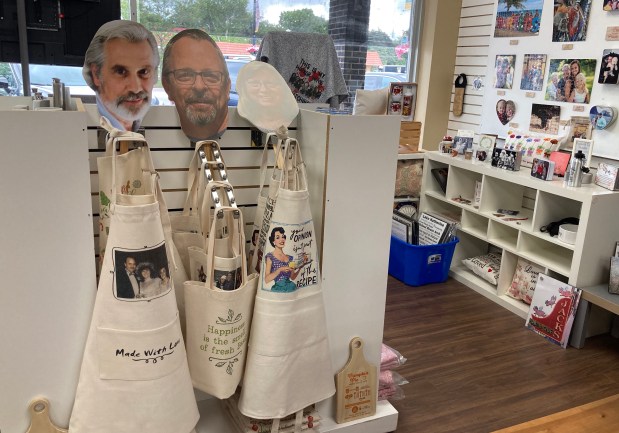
(513, 42)
(612, 33)
(580, 108)
(530, 94)
(566, 47)
(513, 125)
(500, 92)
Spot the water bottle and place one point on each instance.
(573, 175)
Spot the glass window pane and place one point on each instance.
(239, 25)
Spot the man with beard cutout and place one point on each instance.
(120, 65)
(196, 79)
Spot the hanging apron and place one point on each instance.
(219, 312)
(256, 246)
(289, 359)
(134, 375)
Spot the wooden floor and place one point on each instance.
(474, 367)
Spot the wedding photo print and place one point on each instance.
(570, 80)
(141, 274)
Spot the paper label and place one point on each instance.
(358, 395)
(579, 108)
(513, 42)
(566, 47)
(530, 94)
(500, 92)
(612, 33)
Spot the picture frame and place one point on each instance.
(586, 146)
(580, 127)
(561, 160)
(402, 100)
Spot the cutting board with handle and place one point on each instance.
(356, 386)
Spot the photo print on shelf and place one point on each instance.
(570, 80)
(545, 118)
(504, 71)
(609, 71)
(519, 21)
(570, 20)
(533, 69)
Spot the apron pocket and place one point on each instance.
(140, 355)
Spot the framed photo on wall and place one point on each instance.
(586, 146)
(402, 100)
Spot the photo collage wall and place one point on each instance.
(554, 70)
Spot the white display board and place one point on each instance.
(46, 256)
(592, 48)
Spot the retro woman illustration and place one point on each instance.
(279, 266)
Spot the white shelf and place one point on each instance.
(213, 419)
(541, 202)
(468, 278)
(414, 155)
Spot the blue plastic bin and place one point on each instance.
(417, 265)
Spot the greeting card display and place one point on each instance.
(402, 99)
(552, 310)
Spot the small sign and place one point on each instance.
(612, 33)
(530, 94)
(580, 108)
(564, 122)
(513, 125)
(566, 47)
(513, 42)
(500, 92)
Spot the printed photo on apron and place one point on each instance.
(141, 274)
(288, 264)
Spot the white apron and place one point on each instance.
(219, 313)
(134, 375)
(289, 360)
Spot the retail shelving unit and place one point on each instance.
(541, 202)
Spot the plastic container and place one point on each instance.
(417, 265)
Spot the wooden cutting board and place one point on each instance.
(39, 418)
(356, 386)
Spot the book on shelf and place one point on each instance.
(552, 310)
(435, 228)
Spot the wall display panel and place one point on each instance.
(596, 31)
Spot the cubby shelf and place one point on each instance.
(539, 202)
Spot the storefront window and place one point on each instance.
(238, 26)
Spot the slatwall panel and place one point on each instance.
(172, 152)
(476, 18)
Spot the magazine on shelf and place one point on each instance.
(552, 309)
(435, 228)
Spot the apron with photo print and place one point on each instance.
(289, 359)
(219, 312)
(134, 375)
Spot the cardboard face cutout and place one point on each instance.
(196, 79)
(265, 99)
(123, 82)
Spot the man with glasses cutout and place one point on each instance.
(196, 79)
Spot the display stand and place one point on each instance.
(583, 264)
(351, 169)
